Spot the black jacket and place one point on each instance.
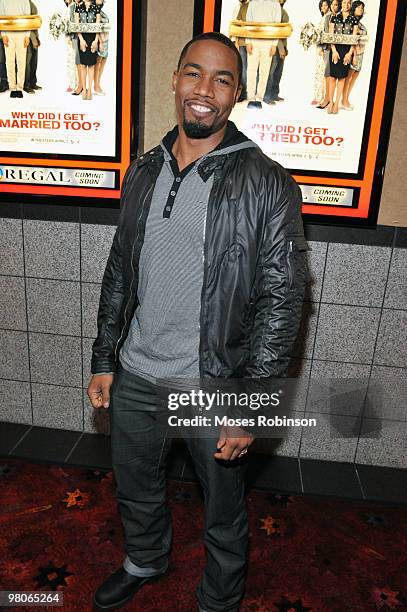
(254, 265)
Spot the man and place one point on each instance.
(277, 65)
(15, 44)
(30, 83)
(240, 14)
(204, 280)
(260, 51)
(3, 70)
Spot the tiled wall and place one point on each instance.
(354, 328)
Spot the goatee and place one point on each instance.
(195, 129)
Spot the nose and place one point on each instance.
(204, 87)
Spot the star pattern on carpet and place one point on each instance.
(76, 499)
(375, 520)
(5, 470)
(285, 605)
(270, 525)
(96, 475)
(52, 576)
(385, 599)
(357, 566)
(279, 499)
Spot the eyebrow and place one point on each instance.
(218, 72)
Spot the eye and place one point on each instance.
(194, 74)
(223, 81)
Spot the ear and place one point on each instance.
(174, 79)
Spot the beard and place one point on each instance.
(196, 129)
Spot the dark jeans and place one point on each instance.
(3, 70)
(31, 67)
(273, 82)
(140, 446)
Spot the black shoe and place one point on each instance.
(118, 589)
(270, 102)
(37, 87)
(278, 99)
(19, 94)
(13, 94)
(254, 104)
(29, 90)
(3, 87)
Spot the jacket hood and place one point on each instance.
(233, 140)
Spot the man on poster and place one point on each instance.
(277, 65)
(261, 51)
(30, 82)
(15, 44)
(207, 220)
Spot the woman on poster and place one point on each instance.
(334, 10)
(341, 55)
(320, 92)
(357, 10)
(103, 52)
(88, 12)
(70, 60)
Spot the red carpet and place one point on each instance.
(60, 530)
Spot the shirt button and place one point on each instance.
(178, 179)
(172, 193)
(168, 208)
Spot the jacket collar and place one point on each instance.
(209, 165)
(150, 157)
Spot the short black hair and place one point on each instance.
(320, 3)
(218, 37)
(355, 6)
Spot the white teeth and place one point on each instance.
(201, 109)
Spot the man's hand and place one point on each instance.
(26, 42)
(249, 48)
(99, 390)
(283, 53)
(5, 41)
(232, 441)
(272, 51)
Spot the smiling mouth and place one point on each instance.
(202, 110)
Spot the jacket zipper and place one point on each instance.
(204, 253)
(132, 269)
(290, 275)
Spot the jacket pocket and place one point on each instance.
(296, 247)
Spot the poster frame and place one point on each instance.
(128, 107)
(207, 17)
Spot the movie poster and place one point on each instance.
(54, 119)
(73, 99)
(316, 77)
(296, 131)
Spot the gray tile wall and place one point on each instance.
(350, 358)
